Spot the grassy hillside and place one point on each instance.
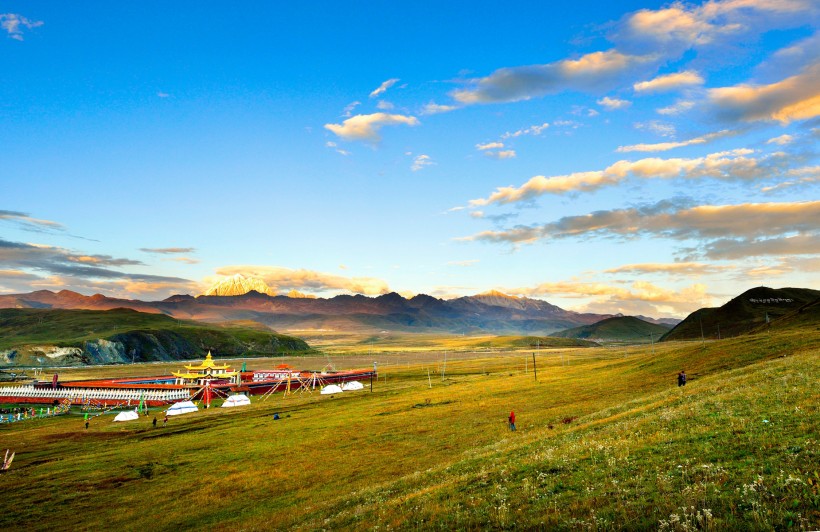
(606, 440)
(617, 329)
(35, 336)
(743, 314)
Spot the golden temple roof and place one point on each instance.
(208, 363)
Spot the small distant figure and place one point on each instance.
(682, 378)
(165, 421)
(512, 421)
(86, 424)
(276, 416)
(154, 422)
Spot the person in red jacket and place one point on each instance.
(512, 421)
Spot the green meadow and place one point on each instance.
(605, 440)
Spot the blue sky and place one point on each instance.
(636, 157)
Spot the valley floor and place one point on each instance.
(605, 440)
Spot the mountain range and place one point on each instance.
(492, 312)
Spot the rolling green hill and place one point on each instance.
(617, 329)
(743, 314)
(59, 337)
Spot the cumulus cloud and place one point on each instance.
(664, 146)
(285, 279)
(592, 72)
(384, 105)
(611, 104)
(726, 165)
(670, 82)
(366, 127)
(383, 87)
(420, 162)
(669, 220)
(680, 27)
(14, 25)
(794, 98)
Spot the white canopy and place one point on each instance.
(236, 400)
(129, 415)
(184, 407)
(352, 385)
(330, 389)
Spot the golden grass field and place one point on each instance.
(605, 440)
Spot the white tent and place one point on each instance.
(128, 415)
(236, 400)
(184, 407)
(352, 385)
(330, 389)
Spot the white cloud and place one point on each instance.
(14, 24)
(285, 279)
(591, 72)
(489, 146)
(420, 162)
(612, 104)
(794, 98)
(348, 110)
(727, 165)
(383, 87)
(677, 108)
(433, 108)
(532, 130)
(670, 82)
(366, 127)
(667, 219)
(664, 146)
(501, 154)
(384, 105)
(782, 140)
(662, 129)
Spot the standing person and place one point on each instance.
(165, 421)
(512, 421)
(154, 422)
(682, 378)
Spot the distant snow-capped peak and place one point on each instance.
(237, 285)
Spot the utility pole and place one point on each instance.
(444, 368)
(534, 367)
(652, 341)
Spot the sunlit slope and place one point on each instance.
(742, 314)
(33, 336)
(606, 440)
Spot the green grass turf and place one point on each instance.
(605, 440)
